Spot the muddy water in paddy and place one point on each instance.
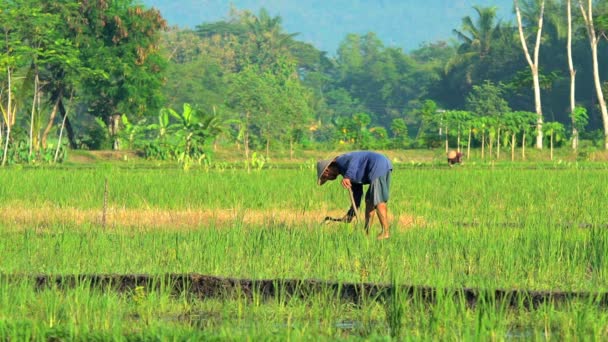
(206, 287)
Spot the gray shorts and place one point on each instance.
(378, 191)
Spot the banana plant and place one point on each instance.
(131, 131)
(512, 126)
(492, 126)
(580, 119)
(162, 126)
(556, 132)
(479, 130)
(527, 125)
(193, 129)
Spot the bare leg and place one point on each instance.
(383, 218)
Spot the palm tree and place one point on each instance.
(267, 38)
(477, 37)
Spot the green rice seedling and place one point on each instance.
(394, 307)
(479, 228)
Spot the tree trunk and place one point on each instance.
(267, 147)
(539, 112)
(523, 147)
(483, 145)
(61, 131)
(490, 146)
(59, 140)
(114, 128)
(534, 67)
(33, 113)
(447, 147)
(572, 78)
(68, 126)
(469, 144)
(246, 140)
(58, 96)
(593, 40)
(9, 117)
(49, 125)
(8, 136)
(551, 143)
(512, 146)
(498, 144)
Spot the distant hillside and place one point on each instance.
(401, 23)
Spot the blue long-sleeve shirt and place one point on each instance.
(363, 166)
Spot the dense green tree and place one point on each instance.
(55, 66)
(429, 119)
(295, 108)
(201, 81)
(556, 133)
(385, 80)
(10, 61)
(122, 42)
(487, 100)
(277, 91)
(400, 133)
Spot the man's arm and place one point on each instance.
(357, 195)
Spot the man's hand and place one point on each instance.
(346, 183)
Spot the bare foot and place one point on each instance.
(382, 236)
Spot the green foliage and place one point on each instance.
(394, 306)
(549, 246)
(117, 58)
(120, 44)
(132, 133)
(400, 134)
(488, 50)
(184, 138)
(19, 154)
(580, 118)
(202, 77)
(381, 79)
(97, 137)
(429, 118)
(555, 131)
(487, 100)
(257, 161)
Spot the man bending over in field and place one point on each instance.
(359, 168)
(454, 157)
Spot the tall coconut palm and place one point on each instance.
(476, 37)
(267, 40)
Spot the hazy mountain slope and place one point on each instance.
(324, 23)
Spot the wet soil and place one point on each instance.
(206, 287)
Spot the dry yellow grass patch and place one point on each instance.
(19, 216)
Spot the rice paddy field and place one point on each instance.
(477, 252)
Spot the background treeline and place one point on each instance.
(111, 74)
